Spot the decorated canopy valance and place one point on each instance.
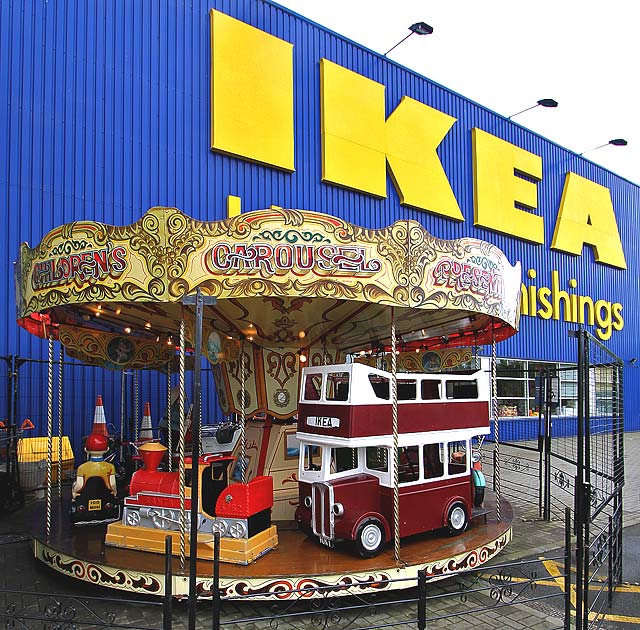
(276, 272)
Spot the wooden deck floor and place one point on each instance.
(81, 553)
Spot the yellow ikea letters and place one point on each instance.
(251, 93)
(498, 187)
(586, 217)
(357, 143)
(414, 131)
(252, 117)
(352, 129)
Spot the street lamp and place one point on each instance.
(419, 28)
(616, 142)
(543, 102)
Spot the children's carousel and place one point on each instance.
(342, 355)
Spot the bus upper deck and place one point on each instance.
(354, 400)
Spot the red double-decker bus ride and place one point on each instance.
(346, 472)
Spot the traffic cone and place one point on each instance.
(99, 420)
(146, 430)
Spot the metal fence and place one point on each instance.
(599, 479)
(467, 598)
(24, 410)
(10, 489)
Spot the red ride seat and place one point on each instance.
(242, 500)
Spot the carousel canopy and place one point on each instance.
(281, 278)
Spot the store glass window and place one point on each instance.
(521, 388)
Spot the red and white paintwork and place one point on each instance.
(99, 419)
(146, 428)
(338, 505)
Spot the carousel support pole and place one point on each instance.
(49, 431)
(496, 427)
(243, 412)
(394, 414)
(60, 422)
(136, 405)
(181, 438)
(215, 586)
(122, 414)
(195, 457)
(200, 414)
(167, 603)
(169, 426)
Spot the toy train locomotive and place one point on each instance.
(239, 512)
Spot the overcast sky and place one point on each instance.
(508, 54)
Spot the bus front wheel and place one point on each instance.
(457, 520)
(370, 539)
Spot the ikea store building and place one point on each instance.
(223, 106)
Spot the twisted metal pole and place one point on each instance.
(496, 424)
(122, 415)
(200, 425)
(49, 431)
(136, 404)
(169, 426)
(394, 417)
(60, 410)
(243, 411)
(181, 449)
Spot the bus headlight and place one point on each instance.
(338, 509)
(307, 501)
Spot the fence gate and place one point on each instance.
(599, 480)
(538, 454)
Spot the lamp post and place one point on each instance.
(543, 102)
(419, 28)
(616, 142)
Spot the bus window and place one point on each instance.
(312, 457)
(380, 386)
(462, 389)
(433, 466)
(337, 386)
(408, 464)
(377, 459)
(343, 459)
(430, 390)
(312, 386)
(406, 389)
(457, 458)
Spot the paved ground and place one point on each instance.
(532, 538)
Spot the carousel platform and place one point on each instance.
(298, 562)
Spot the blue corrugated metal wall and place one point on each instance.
(104, 112)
